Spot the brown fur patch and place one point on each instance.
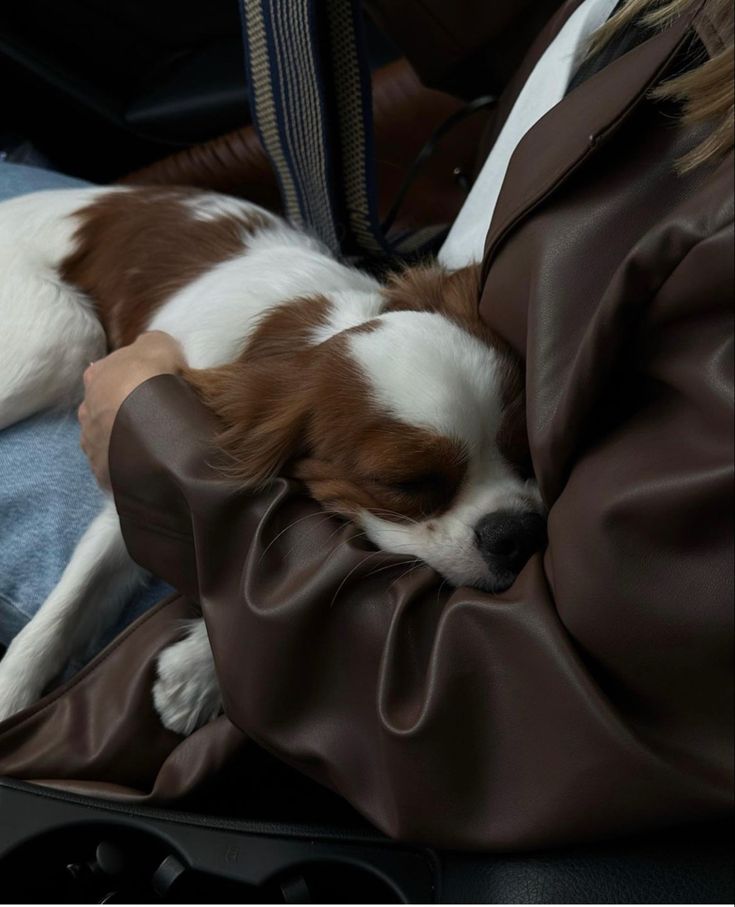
(261, 397)
(287, 328)
(431, 288)
(286, 401)
(136, 248)
(360, 458)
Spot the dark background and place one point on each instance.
(100, 88)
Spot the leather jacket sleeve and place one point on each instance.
(453, 716)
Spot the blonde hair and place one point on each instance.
(706, 92)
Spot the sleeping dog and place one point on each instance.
(393, 404)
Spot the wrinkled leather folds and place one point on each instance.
(65, 734)
(592, 698)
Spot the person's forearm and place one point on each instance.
(161, 431)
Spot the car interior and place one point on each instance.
(140, 91)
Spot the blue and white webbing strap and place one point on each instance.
(311, 103)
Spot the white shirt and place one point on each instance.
(545, 87)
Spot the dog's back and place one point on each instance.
(200, 266)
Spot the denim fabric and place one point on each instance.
(18, 179)
(48, 495)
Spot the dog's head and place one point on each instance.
(410, 423)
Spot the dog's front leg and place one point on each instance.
(89, 596)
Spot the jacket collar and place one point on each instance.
(577, 127)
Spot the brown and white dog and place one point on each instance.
(394, 404)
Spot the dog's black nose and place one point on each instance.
(507, 539)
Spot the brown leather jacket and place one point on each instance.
(594, 696)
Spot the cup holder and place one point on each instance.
(107, 863)
(61, 848)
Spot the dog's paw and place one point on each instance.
(186, 694)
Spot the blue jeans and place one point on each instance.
(48, 495)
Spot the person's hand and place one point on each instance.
(109, 381)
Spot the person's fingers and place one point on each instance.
(82, 412)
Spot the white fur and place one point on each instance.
(214, 316)
(36, 309)
(186, 694)
(348, 309)
(426, 371)
(447, 542)
(422, 369)
(209, 206)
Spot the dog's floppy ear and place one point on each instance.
(264, 410)
(264, 398)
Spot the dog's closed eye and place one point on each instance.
(417, 496)
(412, 486)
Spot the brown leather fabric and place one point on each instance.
(592, 698)
(120, 751)
(518, 79)
(405, 115)
(466, 47)
(234, 163)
